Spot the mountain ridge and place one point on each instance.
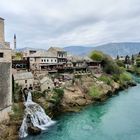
(113, 49)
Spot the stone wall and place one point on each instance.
(5, 85)
(4, 114)
(25, 82)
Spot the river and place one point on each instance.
(118, 118)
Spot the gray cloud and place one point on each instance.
(45, 23)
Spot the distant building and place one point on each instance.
(122, 58)
(24, 79)
(5, 75)
(57, 60)
(42, 60)
(28, 52)
(59, 53)
(46, 83)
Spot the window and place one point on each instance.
(1, 55)
(25, 81)
(51, 60)
(47, 60)
(44, 60)
(55, 60)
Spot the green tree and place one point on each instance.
(18, 56)
(118, 57)
(132, 59)
(97, 56)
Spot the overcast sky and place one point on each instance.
(44, 23)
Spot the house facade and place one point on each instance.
(59, 53)
(42, 60)
(24, 79)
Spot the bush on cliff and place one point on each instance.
(108, 64)
(122, 78)
(38, 94)
(106, 79)
(125, 77)
(57, 95)
(120, 63)
(17, 93)
(95, 91)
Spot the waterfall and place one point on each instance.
(35, 115)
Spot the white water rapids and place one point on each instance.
(37, 116)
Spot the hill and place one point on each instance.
(113, 49)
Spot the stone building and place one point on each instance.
(59, 53)
(5, 75)
(42, 60)
(46, 83)
(24, 79)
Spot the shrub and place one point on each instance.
(111, 68)
(95, 91)
(125, 77)
(17, 93)
(138, 62)
(57, 95)
(59, 92)
(106, 79)
(37, 94)
(18, 111)
(120, 63)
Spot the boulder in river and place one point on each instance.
(34, 130)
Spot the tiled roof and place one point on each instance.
(75, 58)
(43, 54)
(56, 48)
(45, 79)
(23, 76)
(86, 58)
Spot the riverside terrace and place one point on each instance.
(55, 60)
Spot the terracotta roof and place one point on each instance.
(23, 76)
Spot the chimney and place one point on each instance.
(2, 39)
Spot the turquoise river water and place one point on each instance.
(118, 118)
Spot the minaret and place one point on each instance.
(15, 42)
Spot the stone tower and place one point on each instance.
(15, 42)
(2, 39)
(5, 75)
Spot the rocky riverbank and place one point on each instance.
(85, 90)
(78, 95)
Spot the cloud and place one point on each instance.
(46, 23)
